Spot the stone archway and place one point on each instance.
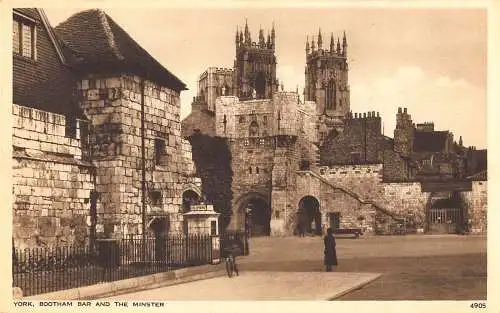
(309, 216)
(160, 227)
(189, 197)
(254, 214)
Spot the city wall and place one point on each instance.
(51, 181)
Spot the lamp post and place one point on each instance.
(248, 212)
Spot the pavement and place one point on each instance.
(135, 284)
(260, 286)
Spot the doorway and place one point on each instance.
(309, 216)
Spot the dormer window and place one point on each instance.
(24, 37)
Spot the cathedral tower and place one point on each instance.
(326, 79)
(255, 65)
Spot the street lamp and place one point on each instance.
(248, 212)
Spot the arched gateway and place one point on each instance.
(309, 216)
(253, 214)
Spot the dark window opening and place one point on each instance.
(155, 197)
(71, 126)
(305, 165)
(254, 129)
(159, 150)
(250, 170)
(213, 228)
(242, 119)
(256, 170)
(356, 158)
(331, 95)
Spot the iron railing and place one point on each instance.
(48, 269)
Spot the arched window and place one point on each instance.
(254, 129)
(331, 95)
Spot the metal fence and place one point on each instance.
(48, 269)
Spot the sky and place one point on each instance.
(431, 61)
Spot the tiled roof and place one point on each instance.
(100, 44)
(426, 141)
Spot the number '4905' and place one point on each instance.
(478, 305)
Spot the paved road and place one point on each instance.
(259, 286)
(413, 267)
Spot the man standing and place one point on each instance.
(330, 251)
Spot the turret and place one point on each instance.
(248, 39)
(307, 46)
(320, 40)
(344, 45)
(338, 45)
(262, 41)
(332, 44)
(313, 45)
(237, 37)
(273, 38)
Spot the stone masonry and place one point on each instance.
(52, 180)
(113, 105)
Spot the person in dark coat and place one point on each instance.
(330, 250)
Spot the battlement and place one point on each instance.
(364, 115)
(426, 126)
(244, 40)
(224, 70)
(337, 51)
(215, 70)
(326, 54)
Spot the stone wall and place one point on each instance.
(353, 211)
(365, 180)
(113, 104)
(282, 115)
(358, 143)
(406, 200)
(51, 182)
(476, 203)
(213, 83)
(395, 167)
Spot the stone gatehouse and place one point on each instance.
(307, 161)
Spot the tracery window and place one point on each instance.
(254, 129)
(331, 95)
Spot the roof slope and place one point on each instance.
(434, 141)
(100, 44)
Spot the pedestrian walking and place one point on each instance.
(330, 250)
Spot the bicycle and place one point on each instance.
(231, 266)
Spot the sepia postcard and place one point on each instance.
(239, 156)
